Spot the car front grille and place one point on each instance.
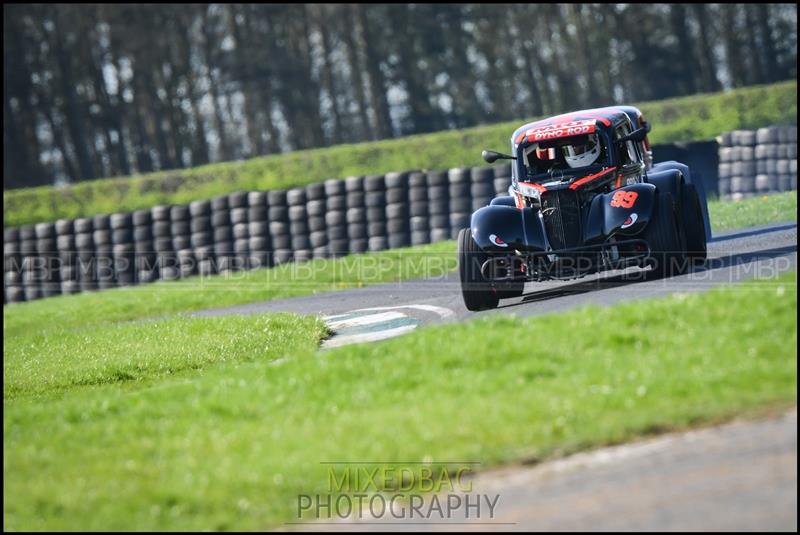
(562, 218)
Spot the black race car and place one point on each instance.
(584, 197)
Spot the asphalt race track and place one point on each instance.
(386, 310)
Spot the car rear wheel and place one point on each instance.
(693, 224)
(478, 292)
(662, 234)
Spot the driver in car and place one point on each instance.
(570, 155)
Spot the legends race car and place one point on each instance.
(584, 197)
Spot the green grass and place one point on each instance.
(58, 358)
(230, 445)
(680, 119)
(774, 208)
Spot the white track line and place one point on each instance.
(337, 341)
(333, 318)
(368, 319)
(443, 312)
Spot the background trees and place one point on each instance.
(102, 90)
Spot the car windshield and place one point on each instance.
(568, 156)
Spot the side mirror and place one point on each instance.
(637, 135)
(491, 156)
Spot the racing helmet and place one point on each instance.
(582, 154)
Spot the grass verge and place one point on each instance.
(232, 445)
(689, 118)
(57, 360)
(762, 210)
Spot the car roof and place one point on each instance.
(603, 117)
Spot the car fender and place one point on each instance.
(498, 228)
(504, 200)
(667, 179)
(624, 211)
(696, 181)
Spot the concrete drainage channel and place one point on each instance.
(378, 323)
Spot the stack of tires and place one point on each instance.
(221, 255)
(375, 203)
(398, 228)
(122, 251)
(438, 205)
(12, 267)
(166, 260)
(298, 224)
(237, 202)
(47, 250)
(460, 199)
(259, 243)
(84, 245)
(30, 265)
(336, 217)
(103, 252)
(757, 162)
(279, 227)
(419, 222)
(502, 179)
(145, 260)
(482, 188)
(67, 256)
(356, 215)
(201, 236)
(182, 239)
(315, 208)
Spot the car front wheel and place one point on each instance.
(478, 292)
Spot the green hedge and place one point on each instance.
(680, 119)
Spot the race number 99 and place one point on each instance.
(624, 199)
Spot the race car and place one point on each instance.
(584, 197)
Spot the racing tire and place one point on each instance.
(418, 194)
(316, 208)
(315, 192)
(334, 187)
(278, 213)
(693, 224)
(220, 218)
(396, 195)
(478, 293)
(179, 213)
(257, 213)
(662, 234)
(81, 226)
(237, 199)
(335, 219)
(357, 230)
(336, 203)
(141, 218)
(219, 204)
(277, 197)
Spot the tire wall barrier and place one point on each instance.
(247, 230)
(753, 162)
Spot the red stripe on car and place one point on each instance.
(587, 179)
